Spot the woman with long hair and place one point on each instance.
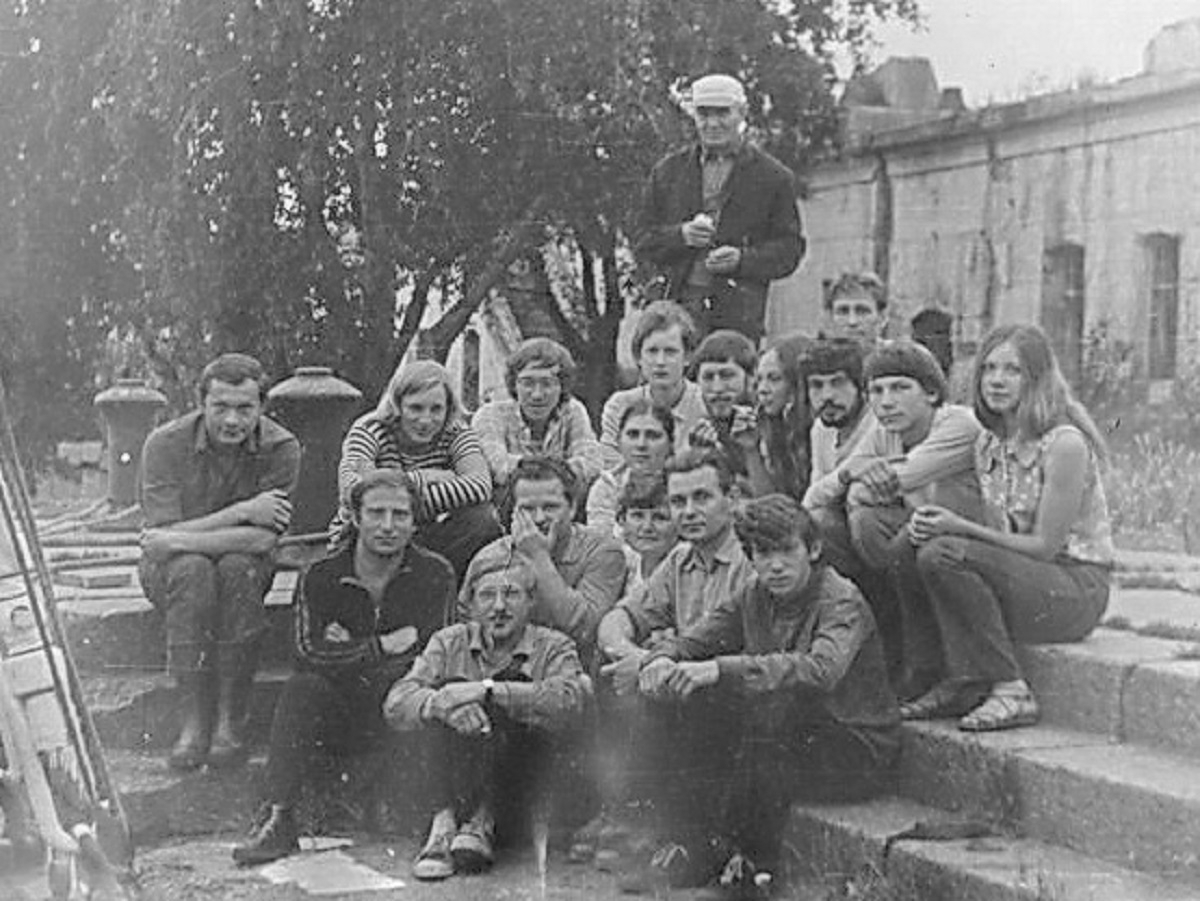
(1037, 570)
(417, 426)
(783, 416)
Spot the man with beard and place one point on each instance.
(724, 369)
(837, 398)
(578, 574)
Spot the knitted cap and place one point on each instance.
(907, 358)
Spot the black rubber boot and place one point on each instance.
(191, 749)
(275, 838)
(236, 665)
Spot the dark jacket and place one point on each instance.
(758, 215)
(823, 644)
(421, 594)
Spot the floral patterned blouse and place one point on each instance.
(1011, 476)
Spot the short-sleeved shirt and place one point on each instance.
(684, 587)
(544, 657)
(185, 476)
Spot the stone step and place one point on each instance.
(844, 845)
(1133, 806)
(115, 629)
(1122, 686)
(138, 708)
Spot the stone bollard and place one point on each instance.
(317, 407)
(128, 409)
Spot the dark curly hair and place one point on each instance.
(774, 522)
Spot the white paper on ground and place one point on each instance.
(328, 873)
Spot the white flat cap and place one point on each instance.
(718, 90)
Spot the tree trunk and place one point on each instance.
(435, 341)
(600, 357)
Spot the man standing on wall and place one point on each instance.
(720, 218)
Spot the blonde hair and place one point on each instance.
(413, 378)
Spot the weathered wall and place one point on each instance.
(976, 201)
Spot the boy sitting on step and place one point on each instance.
(796, 663)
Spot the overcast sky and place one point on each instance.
(998, 49)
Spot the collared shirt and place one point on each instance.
(824, 642)
(506, 438)
(184, 476)
(1012, 476)
(603, 498)
(715, 169)
(684, 587)
(829, 452)
(592, 565)
(543, 657)
(419, 594)
(687, 412)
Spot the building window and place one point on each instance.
(1162, 270)
(1063, 281)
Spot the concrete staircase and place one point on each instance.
(1101, 801)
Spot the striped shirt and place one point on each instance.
(373, 444)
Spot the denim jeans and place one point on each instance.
(965, 602)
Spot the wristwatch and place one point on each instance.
(489, 685)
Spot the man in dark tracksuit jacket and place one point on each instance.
(362, 617)
(720, 218)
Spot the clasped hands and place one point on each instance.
(460, 706)
(929, 521)
(699, 232)
(662, 677)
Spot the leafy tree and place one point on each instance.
(329, 180)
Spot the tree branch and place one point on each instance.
(436, 340)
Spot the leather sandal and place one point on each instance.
(1003, 709)
(946, 699)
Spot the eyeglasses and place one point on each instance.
(534, 383)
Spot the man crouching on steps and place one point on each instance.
(493, 693)
(796, 661)
(362, 616)
(215, 486)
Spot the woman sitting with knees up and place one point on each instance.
(418, 427)
(1036, 571)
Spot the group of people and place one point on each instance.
(725, 601)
